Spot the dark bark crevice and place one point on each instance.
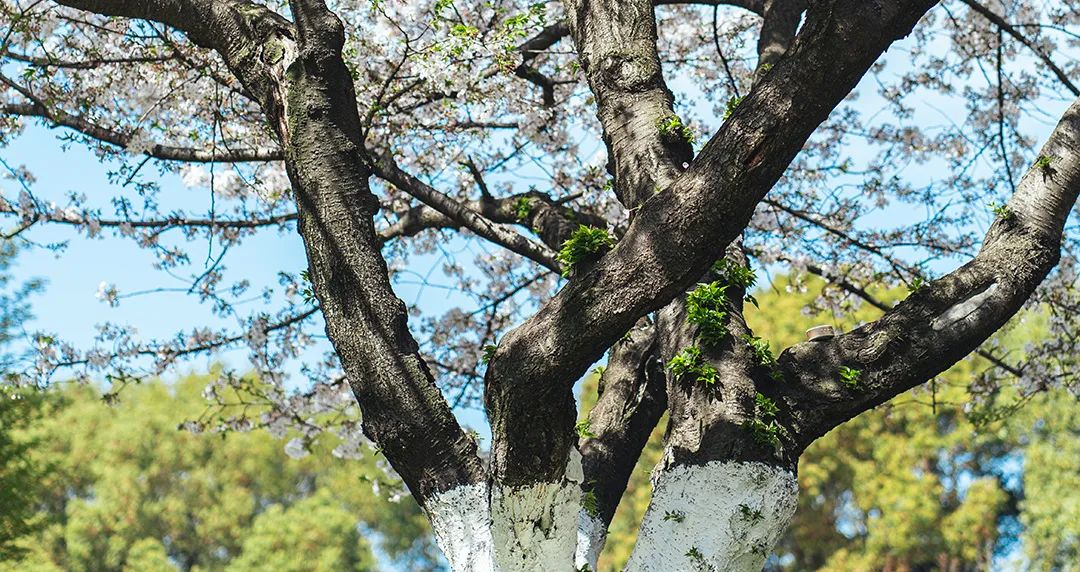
(631, 402)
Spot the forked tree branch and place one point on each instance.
(312, 109)
(948, 318)
(676, 233)
(459, 212)
(402, 409)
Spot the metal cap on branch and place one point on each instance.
(820, 333)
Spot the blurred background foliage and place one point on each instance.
(122, 488)
(929, 481)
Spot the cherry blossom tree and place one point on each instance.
(596, 177)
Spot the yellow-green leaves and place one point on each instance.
(586, 241)
(672, 128)
(706, 309)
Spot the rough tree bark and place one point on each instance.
(722, 494)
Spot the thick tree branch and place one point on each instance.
(780, 20)
(647, 143)
(856, 290)
(708, 423)
(402, 409)
(677, 233)
(947, 319)
(632, 399)
(298, 76)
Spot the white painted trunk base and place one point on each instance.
(535, 528)
(461, 521)
(590, 541)
(521, 529)
(721, 516)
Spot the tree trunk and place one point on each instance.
(722, 516)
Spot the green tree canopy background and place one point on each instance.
(121, 488)
(18, 471)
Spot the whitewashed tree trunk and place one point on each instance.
(722, 516)
(535, 528)
(718, 516)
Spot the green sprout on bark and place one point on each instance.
(916, 284)
(695, 554)
(489, 353)
(763, 356)
(308, 291)
(675, 515)
(752, 515)
(1000, 211)
(523, 207)
(763, 427)
(705, 308)
(737, 275)
(765, 407)
(584, 242)
(582, 428)
(1043, 162)
(765, 433)
(589, 503)
(732, 103)
(850, 377)
(762, 353)
(689, 364)
(672, 128)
